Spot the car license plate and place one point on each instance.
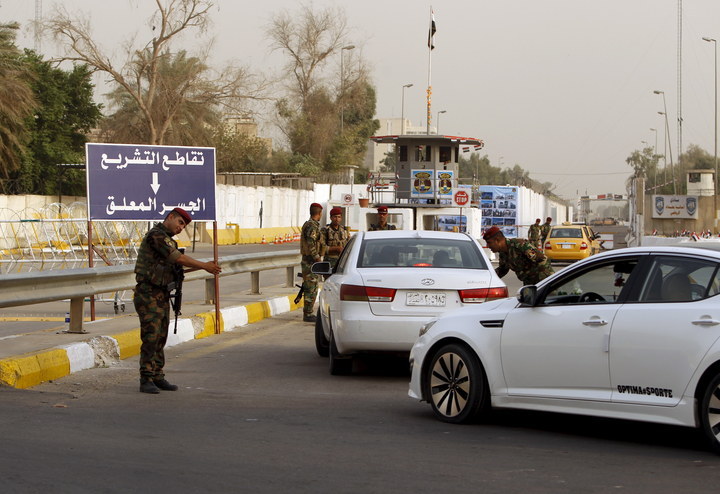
(567, 246)
(427, 299)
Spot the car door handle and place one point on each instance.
(595, 322)
(706, 322)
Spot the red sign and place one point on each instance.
(461, 198)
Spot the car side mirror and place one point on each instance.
(528, 295)
(322, 267)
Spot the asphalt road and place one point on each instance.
(257, 411)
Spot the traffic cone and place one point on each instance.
(263, 241)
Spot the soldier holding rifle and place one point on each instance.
(155, 273)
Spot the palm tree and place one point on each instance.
(17, 101)
(183, 107)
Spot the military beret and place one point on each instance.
(491, 232)
(335, 211)
(183, 214)
(315, 205)
(382, 209)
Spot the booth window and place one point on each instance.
(445, 154)
(423, 153)
(403, 153)
(694, 178)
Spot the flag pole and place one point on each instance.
(431, 33)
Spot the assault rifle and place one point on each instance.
(299, 295)
(176, 288)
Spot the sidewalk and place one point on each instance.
(27, 360)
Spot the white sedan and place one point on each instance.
(629, 334)
(387, 284)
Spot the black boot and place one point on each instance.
(309, 318)
(148, 387)
(164, 385)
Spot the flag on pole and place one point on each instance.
(431, 33)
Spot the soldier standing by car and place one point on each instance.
(545, 231)
(534, 233)
(382, 224)
(154, 271)
(527, 261)
(311, 252)
(334, 237)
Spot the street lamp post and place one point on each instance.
(667, 130)
(665, 151)
(342, 87)
(655, 154)
(402, 109)
(438, 121)
(716, 106)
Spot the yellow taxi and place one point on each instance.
(568, 242)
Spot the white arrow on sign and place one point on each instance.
(155, 185)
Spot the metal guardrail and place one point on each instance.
(76, 284)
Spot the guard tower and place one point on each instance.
(427, 165)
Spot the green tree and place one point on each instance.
(238, 152)
(310, 112)
(17, 102)
(645, 165)
(64, 116)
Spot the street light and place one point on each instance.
(667, 130)
(716, 105)
(342, 87)
(665, 152)
(402, 109)
(655, 153)
(437, 131)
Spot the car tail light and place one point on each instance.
(478, 295)
(548, 246)
(358, 293)
(583, 245)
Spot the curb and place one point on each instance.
(31, 369)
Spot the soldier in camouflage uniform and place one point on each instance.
(155, 269)
(529, 263)
(534, 233)
(311, 251)
(334, 237)
(545, 231)
(382, 224)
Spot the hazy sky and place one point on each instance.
(563, 88)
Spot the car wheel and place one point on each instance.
(322, 345)
(456, 384)
(710, 413)
(339, 364)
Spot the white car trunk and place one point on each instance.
(438, 290)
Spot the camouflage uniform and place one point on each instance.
(311, 251)
(534, 234)
(154, 270)
(544, 231)
(529, 263)
(333, 238)
(377, 227)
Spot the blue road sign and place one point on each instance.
(141, 182)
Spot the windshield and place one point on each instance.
(566, 233)
(421, 253)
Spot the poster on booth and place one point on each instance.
(499, 206)
(425, 183)
(142, 182)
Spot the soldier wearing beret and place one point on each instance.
(522, 256)
(382, 224)
(157, 258)
(534, 233)
(545, 231)
(311, 252)
(334, 237)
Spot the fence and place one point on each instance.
(56, 237)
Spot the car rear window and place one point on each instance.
(421, 253)
(566, 233)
